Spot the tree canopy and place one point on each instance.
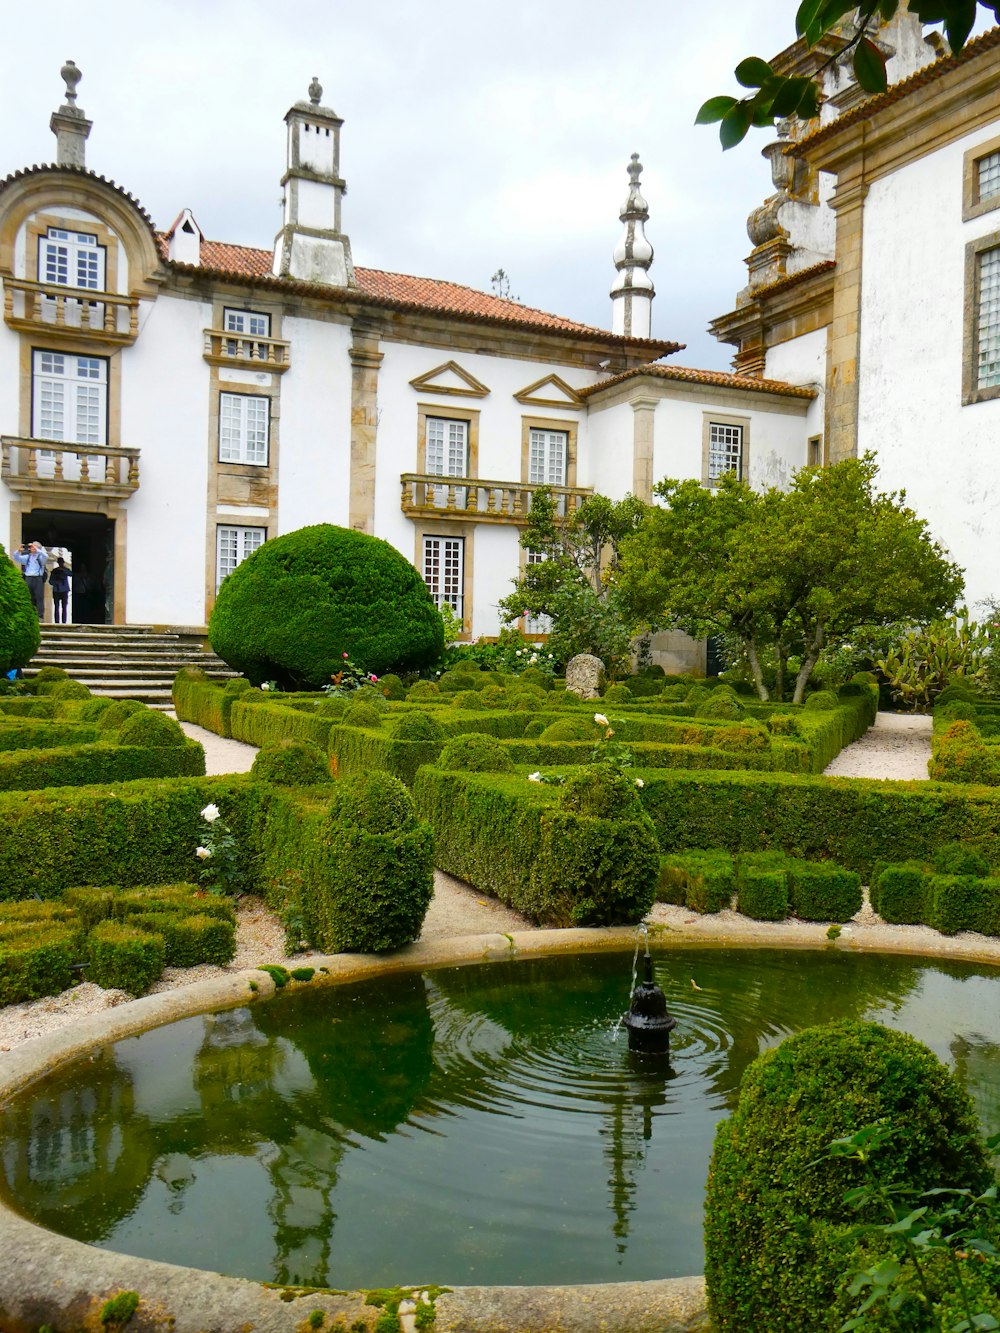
(573, 582)
(785, 572)
(19, 631)
(775, 95)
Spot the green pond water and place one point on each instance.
(468, 1125)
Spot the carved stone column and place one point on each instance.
(842, 384)
(365, 361)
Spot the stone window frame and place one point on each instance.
(554, 425)
(971, 392)
(465, 532)
(447, 412)
(972, 205)
(243, 528)
(710, 419)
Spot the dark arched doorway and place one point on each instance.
(89, 540)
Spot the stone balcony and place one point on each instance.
(72, 312)
(53, 468)
(223, 348)
(474, 499)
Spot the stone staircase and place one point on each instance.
(127, 661)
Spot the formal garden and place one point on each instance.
(851, 1187)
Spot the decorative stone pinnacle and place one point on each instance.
(634, 170)
(71, 76)
(315, 91)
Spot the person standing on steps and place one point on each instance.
(32, 560)
(59, 583)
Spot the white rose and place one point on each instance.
(210, 813)
(639, 782)
(534, 777)
(600, 719)
(202, 853)
(265, 686)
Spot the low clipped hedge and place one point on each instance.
(704, 881)
(914, 893)
(85, 765)
(121, 956)
(44, 734)
(265, 723)
(36, 959)
(856, 822)
(779, 1235)
(520, 842)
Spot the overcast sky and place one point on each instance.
(476, 136)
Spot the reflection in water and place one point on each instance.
(475, 1124)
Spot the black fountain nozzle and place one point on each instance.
(648, 1022)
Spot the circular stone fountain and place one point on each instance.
(472, 1127)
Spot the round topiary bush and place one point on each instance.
(957, 693)
(532, 676)
(291, 764)
(417, 726)
(603, 792)
(69, 689)
(524, 701)
(571, 729)
(237, 685)
(958, 858)
(778, 1242)
(820, 702)
(467, 699)
(20, 633)
(723, 704)
(332, 707)
(784, 724)
(391, 687)
(494, 696)
(118, 714)
(475, 753)
(371, 695)
(618, 694)
(423, 691)
(534, 728)
(376, 802)
(696, 695)
(47, 674)
(361, 714)
(293, 608)
(465, 677)
(149, 727)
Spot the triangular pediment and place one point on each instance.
(549, 392)
(450, 378)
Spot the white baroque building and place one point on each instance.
(307, 390)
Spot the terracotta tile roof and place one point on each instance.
(989, 41)
(791, 279)
(400, 291)
(717, 379)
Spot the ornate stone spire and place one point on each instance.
(69, 124)
(632, 292)
(315, 91)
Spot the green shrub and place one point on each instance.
(762, 893)
(20, 634)
(237, 685)
(48, 676)
(721, 703)
(958, 858)
(151, 729)
(391, 686)
(293, 608)
(778, 1232)
(821, 701)
(705, 881)
(963, 902)
(332, 707)
(417, 726)
(372, 696)
(959, 754)
(120, 957)
(468, 699)
(461, 678)
(956, 712)
(423, 691)
(117, 714)
(750, 737)
(92, 904)
(179, 900)
(94, 708)
(64, 690)
(375, 869)
(957, 693)
(580, 728)
(525, 701)
(36, 958)
(291, 764)
(603, 792)
(532, 676)
(189, 940)
(821, 891)
(696, 695)
(618, 694)
(361, 714)
(534, 728)
(475, 753)
(899, 894)
(784, 724)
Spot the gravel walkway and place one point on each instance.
(896, 746)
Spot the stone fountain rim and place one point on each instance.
(47, 1278)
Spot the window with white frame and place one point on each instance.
(71, 259)
(249, 324)
(725, 451)
(446, 454)
(988, 321)
(988, 174)
(444, 571)
(547, 451)
(243, 428)
(233, 545)
(69, 397)
(536, 624)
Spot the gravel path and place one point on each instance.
(896, 746)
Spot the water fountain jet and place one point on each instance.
(648, 1020)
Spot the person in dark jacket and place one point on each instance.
(59, 583)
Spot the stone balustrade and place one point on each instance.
(223, 348)
(72, 311)
(480, 500)
(41, 466)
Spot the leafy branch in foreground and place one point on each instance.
(775, 96)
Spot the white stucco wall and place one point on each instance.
(910, 400)
(802, 362)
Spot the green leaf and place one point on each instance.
(788, 96)
(807, 14)
(958, 24)
(714, 109)
(753, 72)
(735, 123)
(869, 67)
(833, 11)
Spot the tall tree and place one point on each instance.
(776, 95)
(785, 571)
(573, 583)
